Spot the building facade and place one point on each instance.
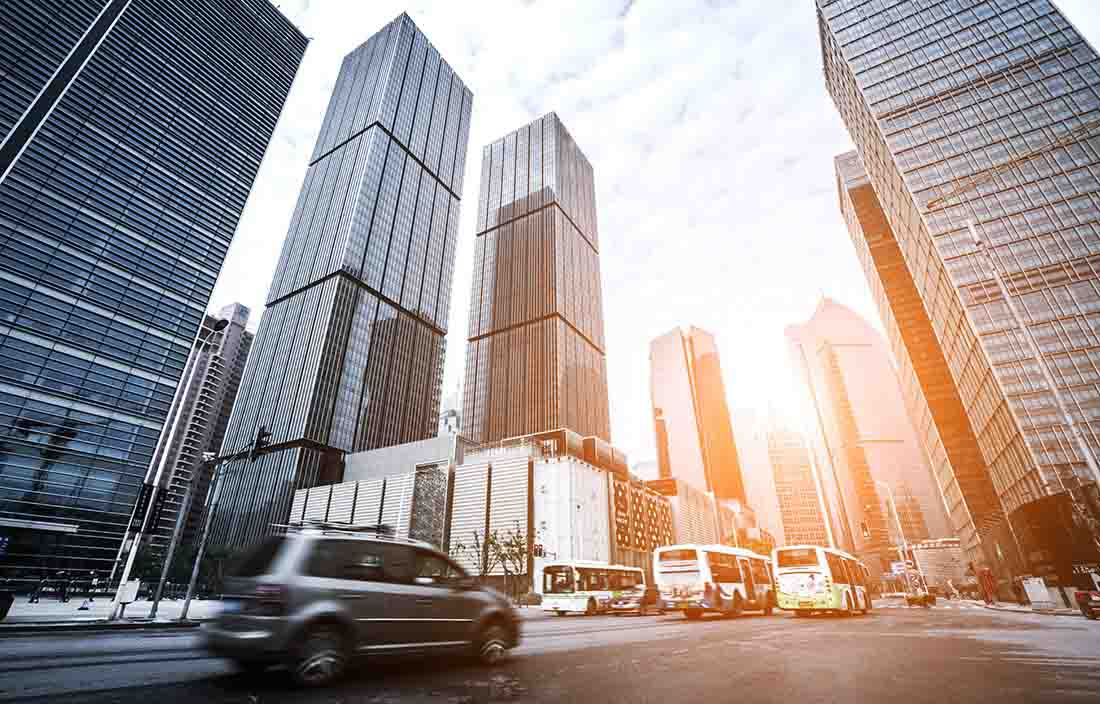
(349, 353)
(691, 416)
(863, 441)
(130, 135)
(205, 405)
(800, 505)
(535, 359)
(752, 430)
(968, 118)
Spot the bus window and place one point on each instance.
(797, 557)
(836, 566)
(685, 555)
(558, 580)
(626, 579)
(760, 572)
(723, 568)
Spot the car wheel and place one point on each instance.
(492, 646)
(322, 657)
(590, 608)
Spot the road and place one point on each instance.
(945, 654)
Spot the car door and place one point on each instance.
(453, 610)
(349, 573)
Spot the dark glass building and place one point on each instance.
(535, 359)
(349, 353)
(964, 110)
(132, 131)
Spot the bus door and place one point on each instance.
(748, 579)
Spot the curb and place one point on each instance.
(95, 627)
(1040, 612)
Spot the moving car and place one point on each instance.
(312, 599)
(640, 600)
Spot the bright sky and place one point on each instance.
(712, 140)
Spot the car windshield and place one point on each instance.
(558, 580)
(798, 557)
(259, 559)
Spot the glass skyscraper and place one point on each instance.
(131, 133)
(934, 93)
(349, 353)
(535, 359)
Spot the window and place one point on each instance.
(836, 566)
(557, 580)
(359, 559)
(760, 572)
(678, 555)
(436, 569)
(723, 568)
(798, 557)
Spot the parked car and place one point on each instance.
(640, 600)
(314, 599)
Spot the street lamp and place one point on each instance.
(167, 433)
(901, 534)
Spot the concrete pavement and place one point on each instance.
(895, 654)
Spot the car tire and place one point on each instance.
(492, 644)
(321, 659)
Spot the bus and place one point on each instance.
(586, 587)
(812, 579)
(696, 579)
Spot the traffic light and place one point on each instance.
(262, 440)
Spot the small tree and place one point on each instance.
(512, 554)
(480, 552)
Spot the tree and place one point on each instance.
(478, 552)
(512, 554)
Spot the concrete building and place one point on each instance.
(941, 561)
(973, 118)
(535, 359)
(796, 487)
(349, 353)
(691, 416)
(751, 430)
(863, 442)
(130, 137)
(205, 405)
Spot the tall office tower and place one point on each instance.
(955, 115)
(349, 353)
(205, 404)
(752, 429)
(800, 505)
(860, 433)
(130, 135)
(687, 391)
(535, 359)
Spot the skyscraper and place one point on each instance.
(535, 359)
(800, 504)
(968, 117)
(131, 133)
(349, 353)
(861, 434)
(205, 404)
(752, 430)
(687, 392)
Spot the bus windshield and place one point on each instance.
(797, 557)
(558, 580)
(626, 580)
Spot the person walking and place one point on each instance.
(63, 584)
(36, 591)
(93, 585)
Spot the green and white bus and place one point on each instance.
(812, 579)
(579, 586)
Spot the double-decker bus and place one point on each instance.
(696, 579)
(586, 587)
(810, 579)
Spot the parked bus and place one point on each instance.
(812, 579)
(696, 579)
(586, 587)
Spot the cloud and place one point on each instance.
(712, 140)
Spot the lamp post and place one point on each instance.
(166, 436)
(901, 534)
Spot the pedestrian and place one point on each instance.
(36, 591)
(94, 585)
(62, 586)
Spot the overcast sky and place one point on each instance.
(712, 140)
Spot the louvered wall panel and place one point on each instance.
(468, 510)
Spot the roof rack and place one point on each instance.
(381, 531)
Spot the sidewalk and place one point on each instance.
(52, 614)
(1017, 608)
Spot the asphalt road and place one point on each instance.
(945, 654)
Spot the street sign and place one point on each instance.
(898, 568)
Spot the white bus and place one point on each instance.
(586, 587)
(812, 579)
(700, 578)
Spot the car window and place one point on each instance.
(435, 569)
(260, 558)
(360, 560)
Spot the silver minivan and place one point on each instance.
(314, 599)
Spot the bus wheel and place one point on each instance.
(590, 609)
(693, 614)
